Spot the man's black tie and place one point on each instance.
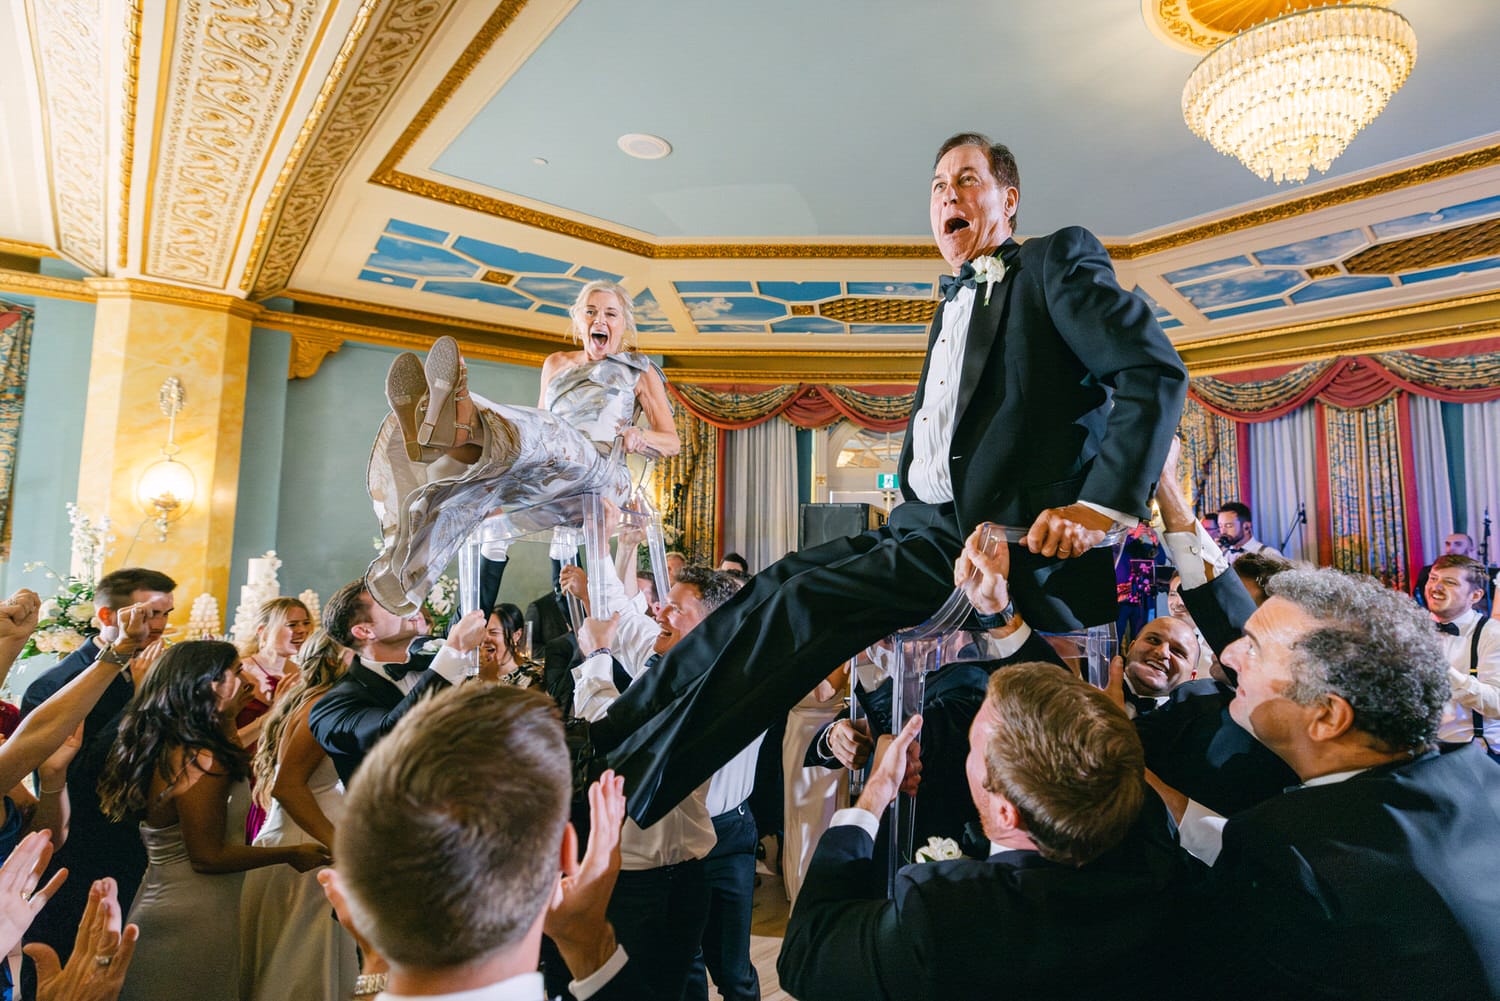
(1448, 627)
(396, 671)
(950, 284)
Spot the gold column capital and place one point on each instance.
(176, 295)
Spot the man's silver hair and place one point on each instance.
(1374, 647)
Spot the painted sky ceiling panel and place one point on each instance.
(1320, 268)
(412, 256)
(1163, 315)
(787, 307)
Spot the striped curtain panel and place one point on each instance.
(15, 357)
(687, 488)
(1210, 456)
(1367, 491)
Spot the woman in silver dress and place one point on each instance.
(446, 458)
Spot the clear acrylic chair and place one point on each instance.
(917, 652)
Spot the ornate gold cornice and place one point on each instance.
(20, 248)
(309, 172)
(309, 348)
(320, 332)
(29, 283)
(1200, 25)
(177, 295)
(235, 71)
(127, 122)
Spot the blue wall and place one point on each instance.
(51, 443)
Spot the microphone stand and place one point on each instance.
(1484, 557)
(1301, 519)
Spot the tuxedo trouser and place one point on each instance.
(658, 916)
(730, 871)
(751, 660)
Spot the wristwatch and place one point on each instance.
(1000, 618)
(112, 656)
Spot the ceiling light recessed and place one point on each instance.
(540, 161)
(643, 146)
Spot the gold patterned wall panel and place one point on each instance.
(234, 72)
(357, 96)
(686, 486)
(1366, 491)
(1210, 456)
(879, 310)
(69, 37)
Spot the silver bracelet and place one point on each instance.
(369, 984)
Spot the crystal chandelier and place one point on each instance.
(1288, 94)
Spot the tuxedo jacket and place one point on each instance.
(1014, 926)
(1381, 886)
(1190, 741)
(1069, 391)
(96, 846)
(361, 708)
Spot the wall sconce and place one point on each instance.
(166, 487)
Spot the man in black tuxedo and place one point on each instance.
(1375, 876)
(454, 888)
(1048, 400)
(96, 846)
(1081, 880)
(385, 680)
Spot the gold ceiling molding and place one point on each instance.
(177, 295)
(70, 69)
(1437, 170)
(235, 70)
(127, 122)
(1449, 246)
(319, 332)
(30, 283)
(327, 141)
(879, 310)
(21, 248)
(420, 316)
(1200, 25)
(308, 351)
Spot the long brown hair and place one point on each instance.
(322, 660)
(174, 708)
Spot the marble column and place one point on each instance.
(145, 333)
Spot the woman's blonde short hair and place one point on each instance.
(613, 288)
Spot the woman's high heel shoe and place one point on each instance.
(405, 387)
(447, 384)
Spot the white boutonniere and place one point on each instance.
(989, 270)
(939, 849)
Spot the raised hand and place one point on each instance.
(20, 900)
(101, 953)
(18, 616)
(575, 918)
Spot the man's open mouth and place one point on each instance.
(955, 224)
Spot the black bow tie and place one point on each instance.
(950, 284)
(1448, 627)
(397, 671)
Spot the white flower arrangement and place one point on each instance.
(988, 269)
(67, 618)
(442, 601)
(939, 850)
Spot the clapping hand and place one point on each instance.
(575, 918)
(101, 953)
(20, 901)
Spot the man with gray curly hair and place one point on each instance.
(1375, 876)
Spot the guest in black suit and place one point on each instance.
(1082, 879)
(97, 847)
(385, 680)
(1048, 400)
(1376, 876)
(454, 889)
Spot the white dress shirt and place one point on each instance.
(448, 662)
(730, 786)
(1252, 545)
(687, 831)
(525, 987)
(932, 426)
(1471, 694)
